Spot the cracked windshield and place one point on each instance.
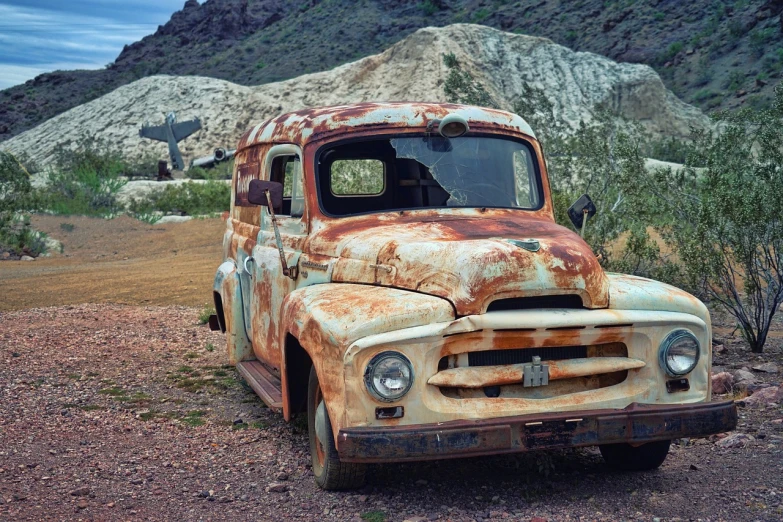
(476, 172)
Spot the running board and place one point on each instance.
(264, 383)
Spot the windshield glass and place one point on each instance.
(425, 172)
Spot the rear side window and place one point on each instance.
(357, 177)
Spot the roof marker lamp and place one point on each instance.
(452, 126)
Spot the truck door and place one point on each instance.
(270, 286)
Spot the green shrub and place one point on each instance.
(672, 149)
(85, 181)
(220, 171)
(203, 316)
(429, 7)
(460, 86)
(735, 81)
(480, 15)
(670, 52)
(16, 198)
(190, 198)
(726, 222)
(758, 40)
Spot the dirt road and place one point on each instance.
(117, 412)
(121, 260)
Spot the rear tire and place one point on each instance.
(639, 458)
(330, 473)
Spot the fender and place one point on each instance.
(226, 285)
(327, 318)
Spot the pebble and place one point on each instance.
(277, 488)
(82, 504)
(80, 492)
(282, 476)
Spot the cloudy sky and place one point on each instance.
(38, 36)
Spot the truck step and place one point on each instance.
(264, 383)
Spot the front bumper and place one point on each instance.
(636, 424)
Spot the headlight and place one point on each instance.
(679, 353)
(388, 376)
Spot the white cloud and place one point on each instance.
(34, 40)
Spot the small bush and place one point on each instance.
(84, 181)
(190, 199)
(460, 86)
(758, 40)
(480, 15)
(16, 198)
(220, 171)
(203, 317)
(671, 149)
(429, 7)
(670, 52)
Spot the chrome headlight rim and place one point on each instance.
(668, 342)
(369, 371)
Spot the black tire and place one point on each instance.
(330, 473)
(639, 458)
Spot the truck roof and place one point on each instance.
(305, 125)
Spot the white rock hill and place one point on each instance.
(413, 69)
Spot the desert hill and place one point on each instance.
(413, 69)
(711, 54)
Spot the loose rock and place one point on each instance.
(764, 397)
(277, 488)
(735, 440)
(722, 382)
(766, 368)
(80, 492)
(743, 377)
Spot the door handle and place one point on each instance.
(244, 264)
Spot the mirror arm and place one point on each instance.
(287, 271)
(584, 222)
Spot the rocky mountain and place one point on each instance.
(412, 69)
(714, 54)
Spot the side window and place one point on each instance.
(524, 179)
(357, 177)
(288, 171)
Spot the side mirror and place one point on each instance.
(582, 210)
(257, 193)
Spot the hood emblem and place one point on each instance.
(531, 245)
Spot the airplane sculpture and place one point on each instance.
(219, 156)
(172, 133)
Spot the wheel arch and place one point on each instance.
(228, 306)
(295, 375)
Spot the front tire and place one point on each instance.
(625, 457)
(330, 473)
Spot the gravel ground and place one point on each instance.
(115, 412)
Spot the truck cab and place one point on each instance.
(394, 271)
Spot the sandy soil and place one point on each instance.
(121, 260)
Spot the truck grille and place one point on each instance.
(525, 355)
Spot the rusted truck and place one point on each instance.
(394, 271)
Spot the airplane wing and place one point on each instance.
(186, 128)
(157, 133)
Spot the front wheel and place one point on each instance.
(330, 473)
(635, 458)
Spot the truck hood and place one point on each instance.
(470, 261)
